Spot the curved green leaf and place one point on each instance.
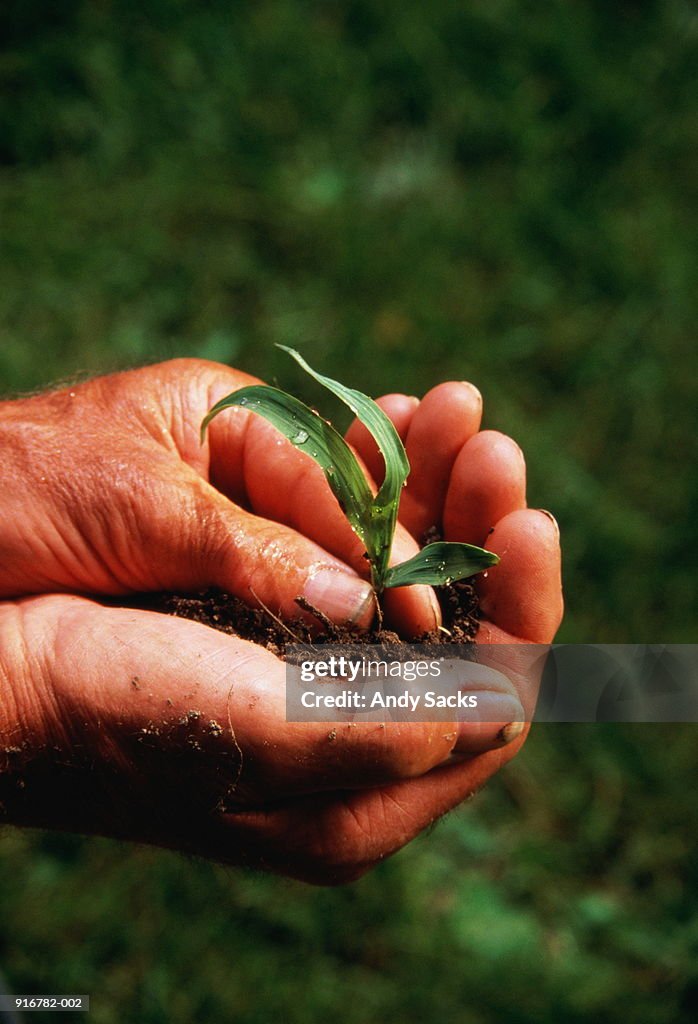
(316, 437)
(384, 507)
(440, 563)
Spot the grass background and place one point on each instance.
(502, 191)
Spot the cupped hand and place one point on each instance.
(127, 723)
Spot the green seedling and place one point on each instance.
(372, 517)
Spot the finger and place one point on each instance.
(447, 417)
(165, 402)
(165, 528)
(400, 409)
(488, 480)
(186, 390)
(415, 610)
(521, 597)
(279, 756)
(334, 839)
(211, 541)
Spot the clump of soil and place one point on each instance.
(460, 615)
(223, 611)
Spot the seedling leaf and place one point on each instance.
(440, 563)
(384, 507)
(316, 437)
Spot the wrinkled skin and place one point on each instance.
(132, 724)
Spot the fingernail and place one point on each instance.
(510, 732)
(483, 730)
(341, 596)
(552, 519)
(519, 450)
(476, 393)
(435, 609)
(426, 593)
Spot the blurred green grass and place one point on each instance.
(500, 191)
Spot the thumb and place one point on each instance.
(196, 537)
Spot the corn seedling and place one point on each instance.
(372, 517)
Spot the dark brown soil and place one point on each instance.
(229, 614)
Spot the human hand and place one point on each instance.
(471, 485)
(166, 724)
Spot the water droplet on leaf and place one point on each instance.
(300, 437)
